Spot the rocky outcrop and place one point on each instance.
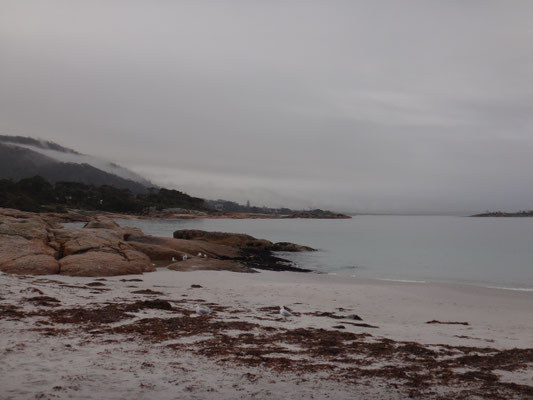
(24, 244)
(102, 263)
(158, 248)
(101, 222)
(19, 255)
(30, 244)
(248, 251)
(238, 240)
(99, 252)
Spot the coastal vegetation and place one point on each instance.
(42, 176)
(36, 194)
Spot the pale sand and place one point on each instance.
(81, 365)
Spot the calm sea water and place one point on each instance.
(484, 251)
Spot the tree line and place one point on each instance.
(36, 194)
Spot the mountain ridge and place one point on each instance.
(58, 153)
(18, 162)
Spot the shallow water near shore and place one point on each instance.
(492, 252)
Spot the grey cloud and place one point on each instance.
(414, 106)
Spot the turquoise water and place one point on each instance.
(484, 251)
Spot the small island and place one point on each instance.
(528, 213)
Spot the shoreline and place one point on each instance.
(87, 215)
(303, 268)
(483, 285)
(143, 338)
(100, 332)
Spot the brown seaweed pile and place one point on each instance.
(437, 371)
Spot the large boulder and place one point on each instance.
(158, 248)
(24, 244)
(36, 264)
(237, 240)
(81, 240)
(103, 263)
(27, 227)
(99, 252)
(157, 252)
(103, 222)
(19, 255)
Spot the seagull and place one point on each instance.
(185, 257)
(199, 254)
(205, 255)
(173, 259)
(202, 310)
(284, 313)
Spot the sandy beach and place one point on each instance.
(139, 336)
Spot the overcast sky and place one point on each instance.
(369, 106)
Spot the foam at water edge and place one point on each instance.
(510, 288)
(400, 280)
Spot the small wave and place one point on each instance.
(511, 288)
(400, 280)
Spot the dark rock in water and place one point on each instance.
(196, 286)
(290, 247)
(245, 250)
(339, 327)
(260, 259)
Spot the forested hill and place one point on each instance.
(19, 162)
(38, 195)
